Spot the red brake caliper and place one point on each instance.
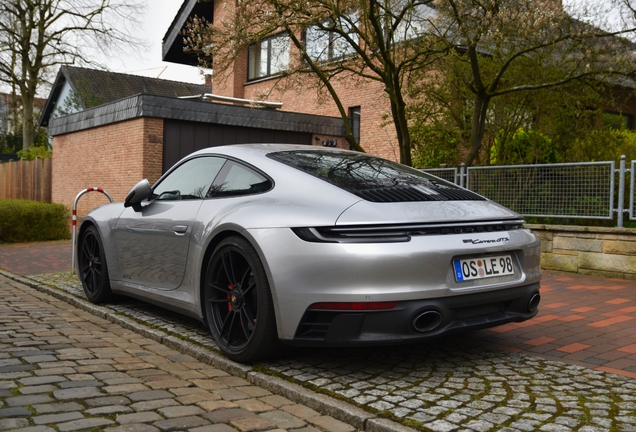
(229, 305)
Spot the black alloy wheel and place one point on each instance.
(93, 271)
(238, 303)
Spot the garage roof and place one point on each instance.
(144, 105)
(104, 87)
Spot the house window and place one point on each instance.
(354, 118)
(268, 57)
(414, 21)
(618, 120)
(325, 45)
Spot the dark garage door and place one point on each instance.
(182, 138)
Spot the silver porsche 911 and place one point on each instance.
(274, 245)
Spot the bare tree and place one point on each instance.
(36, 36)
(376, 40)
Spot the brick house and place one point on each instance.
(141, 131)
(367, 102)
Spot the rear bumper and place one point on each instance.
(456, 314)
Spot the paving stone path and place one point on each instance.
(446, 387)
(63, 369)
(459, 384)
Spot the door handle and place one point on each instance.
(179, 229)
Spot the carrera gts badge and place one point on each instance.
(479, 241)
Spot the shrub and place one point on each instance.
(27, 221)
(434, 145)
(524, 147)
(30, 153)
(604, 145)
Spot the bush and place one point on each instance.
(434, 146)
(30, 153)
(604, 145)
(27, 221)
(524, 147)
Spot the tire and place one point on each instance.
(93, 270)
(238, 303)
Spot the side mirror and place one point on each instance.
(137, 194)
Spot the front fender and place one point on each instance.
(105, 219)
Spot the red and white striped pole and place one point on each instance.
(74, 211)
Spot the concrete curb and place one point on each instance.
(322, 403)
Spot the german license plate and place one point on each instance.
(485, 267)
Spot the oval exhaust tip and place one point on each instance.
(533, 304)
(427, 321)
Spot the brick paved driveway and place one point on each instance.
(36, 258)
(583, 320)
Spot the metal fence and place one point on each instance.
(448, 174)
(586, 190)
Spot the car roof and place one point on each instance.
(263, 149)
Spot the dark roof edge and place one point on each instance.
(53, 95)
(144, 105)
(176, 26)
(123, 109)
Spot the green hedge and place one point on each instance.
(28, 221)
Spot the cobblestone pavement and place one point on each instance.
(64, 369)
(460, 383)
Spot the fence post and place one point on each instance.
(621, 192)
(462, 175)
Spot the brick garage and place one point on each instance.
(115, 145)
(110, 156)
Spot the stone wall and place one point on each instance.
(609, 252)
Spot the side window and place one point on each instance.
(237, 179)
(324, 45)
(191, 180)
(268, 57)
(354, 118)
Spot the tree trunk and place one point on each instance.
(398, 112)
(478, 128)
(404, 136)
(27, 121)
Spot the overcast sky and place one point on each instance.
(158, 17)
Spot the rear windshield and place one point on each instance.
(353, 171)
(372, 178)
